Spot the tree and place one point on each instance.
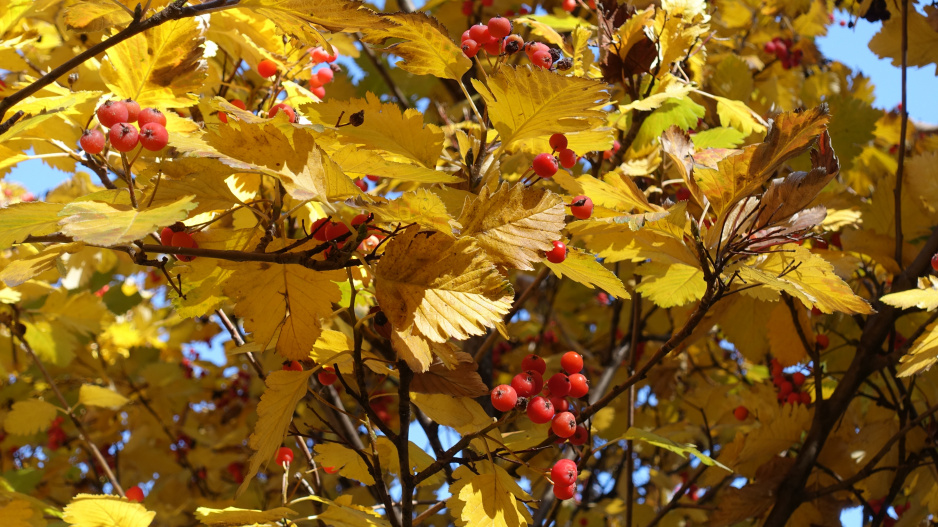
(686, 195)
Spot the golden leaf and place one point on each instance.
(302, 18)
(284, 391)
(426, 48)
(188, 176)
(925, 297)
(354, 160)
(91, 395)
(235, 517)
(491, 498)
(738, 176)
(923, 355)
(419, 460)
(808, 277)
(16, 513)
(922, 40)
(614, 191)
(583, 268)
(289, 300)
(90, 510)
(784, 341)
(421, 206)
(99, 223)
(461, 379)
(27, 219)
(739, 116)
(442, 287)
(514, 225)
(29, 416)
(343, 513)
(461, 413)
(160, 67)
(670, 285)
(525, 103)
(95, 15)
(19, 271)
(348, 462)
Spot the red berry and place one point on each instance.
(292, 365)
(319, 229)
(238, 103)
(325, 75)
(682, 194)
(134, 493)
(319, 91)
(558, 253)
(334, 230)
(560, 404)
(798, 378)
(493, 47)
(741, 413)
(286, 109)
(769, 47)
(327, 376)
(785, 388)
(266, 68)
(793, 398)
(542, 59)
(822, 341)
(545, 165)
(535, 363)
(361, 219)
(467, 8)
(504, 398)
(284, 455)
(112, 112)
(124, 137)
(524, 384)
(487, 3)
(805, 398)
(563, 425)
(565, 493)
(558, 142)
(934, 262)
(580, 437)
(470, 47)
(360, 183)
(571, 362)
(318, 55)
(133, 110)
(512, 44)
(568, 158)
(480, 33)
(579, 385)
(564, 472)
(777, 368)
(153, 137)
(183, 239)
(166, 236)
(568, 5)
(581, 207)
(499, 27)
(151, 115)
(92, 141)
(559, 385)
(540, 410)
(330, 470)
(533, 47)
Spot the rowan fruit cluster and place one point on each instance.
(781, 48)
(789, 385)
(118, 117)
(496, 39)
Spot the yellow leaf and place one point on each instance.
(525, 103)
(103, 224)
(91, 395)
(348, 462)
(670, 285)
(235, 517)
(740, 175)
(354, 160)
(289, 299)
(668, 88)
(426, 49)
(54, 343)
(343, 513)
(781, 426)
(29, 416)
(461, 413)
(922, 40)
(421, 206)
(445, 288)
(419, 460)
(731, 78)
(784, 341)
(285, 389)
(160, 67)
(302, 18)
(738, 115)
(90, 510)
(16, 513)
(385, 128)
(514, 225)
(925, 297)
(19, 271)
(808, 277)
(188, 176)
(490, 498)
(414, 349)
(329, 344)
(27, 219)
(609, 193)
(583, 268)
(460, 379)
(95, 15)
(923, 355)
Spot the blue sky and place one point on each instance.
(848, 45)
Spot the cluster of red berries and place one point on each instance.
(495, 38)
(888, 521)
(238, 388)
(789, 385)
(176, 236)
(56, 435)
(607, 154)
(326, 375)
(550, 402)
(236, 471)
(325, 230)
(117, 116)
(781, 48)
(821, 243)
(546, 165)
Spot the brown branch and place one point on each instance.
(174, 11)
(903, 126)
(403, 445)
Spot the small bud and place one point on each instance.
(564, 64)
(357, 118)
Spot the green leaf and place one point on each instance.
(665, 443)
(718, 137)
(682, 113)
